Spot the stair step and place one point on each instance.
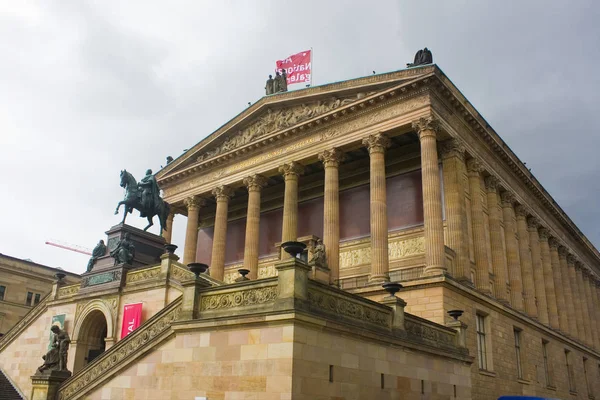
(7, 391)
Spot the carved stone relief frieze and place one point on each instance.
(397, 249)
(239, 299)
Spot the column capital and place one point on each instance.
(452, 148)
(426, 126)
(332, 157)
(562, 251)
(255, 182)
(491, 184)
(532, 223)
(291, 169)
(474, 166)
(223, 193)
(376, 143)
(571, 259)
(544, 234)
(578, 265)
(553, 243)
(194, 202)
(507, 198)
(521, 211)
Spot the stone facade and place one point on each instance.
(18, 279)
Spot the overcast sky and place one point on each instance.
(89, 88)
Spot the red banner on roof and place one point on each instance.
(298, 67)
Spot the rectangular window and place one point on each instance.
(546, 365)
(2, 292)
(570, 372)
(518, 353)
(481, 342)
(29, 298)
(36, 299)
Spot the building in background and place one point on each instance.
(23, 284)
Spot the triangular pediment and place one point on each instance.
(283, 111)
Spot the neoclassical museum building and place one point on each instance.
(401, 180)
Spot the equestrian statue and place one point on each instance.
(144, 197)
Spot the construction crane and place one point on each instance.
(70, 247)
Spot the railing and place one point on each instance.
(68, 291)
(32, 315)
(399, 275)
(122, 354)
(435, 334)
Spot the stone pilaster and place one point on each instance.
(377, 144)
(563, 323)
(512, 251)
(584, 306)
(548, 279)
(596, 298)
(495, 221)
(452, 152)
(217, 261)
(432, 196)
(568, 291)
(587, 276)
(331, 211)
(254, 183)
(576, 297)
(289, 230)
(193, 205)
(482, 262)
(526, 266)
(538, 270)
(167, 233)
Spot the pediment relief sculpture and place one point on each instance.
(275, 120)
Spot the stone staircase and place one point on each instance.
(7, 390)
(122, 354)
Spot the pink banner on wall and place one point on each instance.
(132, 318)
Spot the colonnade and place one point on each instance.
(527, 266)
(516, 259)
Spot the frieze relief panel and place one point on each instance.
(68, 291)
(355, 254)
(181, 274)
(264, 271)
(240, 298)
(143, 275)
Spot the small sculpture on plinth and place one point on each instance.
(56, 358)
(422, 57)
(269, 89)
(124, 252)
(319, 258)
(99, 251)
(283, 80)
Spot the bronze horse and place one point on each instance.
(133, 200)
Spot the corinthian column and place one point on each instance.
(289, 231)
(512, 251)
(432, 196)
(538, 270)
(379, 233)
(254, 183)
(193, 205)
(331, 211)
(563, 323)
(217, 262)
(596, 298)
(453, 165)
(548, 279)
(167, 233)
(495, 220)
(482, 266)
(568, 291)
(576, 297)
(587, 277)
(526, 267)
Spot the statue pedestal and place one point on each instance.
(45, 385)
(106, 275)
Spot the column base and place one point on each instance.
(379, 278)
(435, 270)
